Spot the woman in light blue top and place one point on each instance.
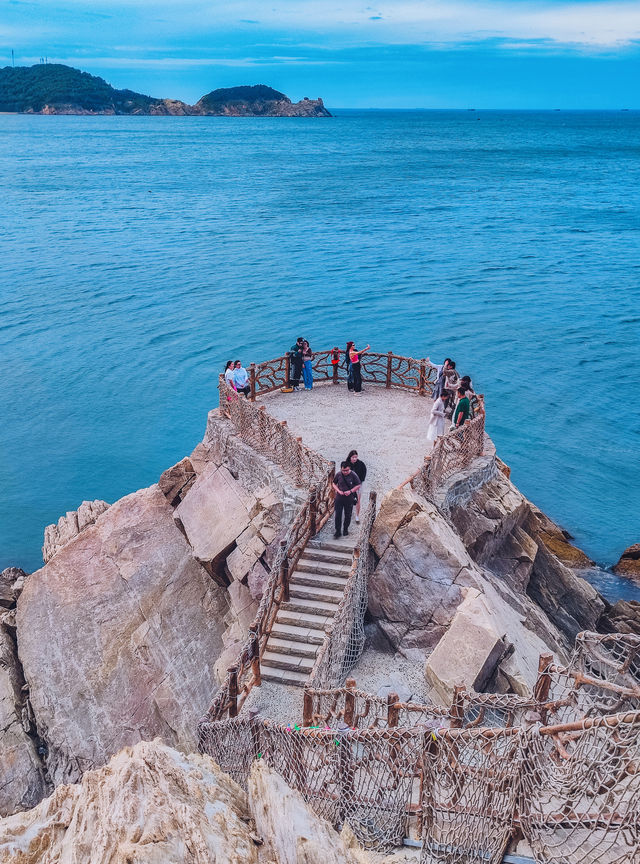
(241, 379)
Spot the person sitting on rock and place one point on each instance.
(345, 484)
(241, 379)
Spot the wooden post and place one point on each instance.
(233, 691)
(262, 424)
(313, 512)
(423, 376)
(543, 684)
(287, 370)
(255, 656)
(222, 391)
(298, 465)
(307, 708)
(350, 702)
(388, 382)
(392, 711)
(284, 574)
(252, 381)
(335, 366)
(456, 711)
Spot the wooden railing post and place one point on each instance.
(543, 684)
(298, 466)
(423, 377)
(255, 655)
(307, 708)
(287, 370)
(233, 691)
(350, 702)
(388, 381)
(252, 381)
(313, 512)
(457, 707)
(284, 574)
(392, 711)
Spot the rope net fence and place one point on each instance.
(344, 642)
(452, 452)
(466, 779)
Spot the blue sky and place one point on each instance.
(405, 54)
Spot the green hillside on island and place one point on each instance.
(54, 88)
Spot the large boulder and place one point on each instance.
(22, 782)
(214, 512)
(629, 563)
(468, 653)
(118, 635)
(176, 481)
(11, 584)
(149, 805)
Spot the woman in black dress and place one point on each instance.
(360, 468)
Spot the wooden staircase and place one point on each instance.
(315, 590)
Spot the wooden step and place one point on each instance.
(318, 580)
(284, 676)
(311, 607)
(346, 545)
(291, 646)
(310, 592)
(299, 618)
(326, 556)
(308, 565)
(295, 633)
(291, 662)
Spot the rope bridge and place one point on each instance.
(563, 774)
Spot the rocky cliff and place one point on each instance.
(53, 88)
(141, 606)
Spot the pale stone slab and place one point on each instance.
(213, 513)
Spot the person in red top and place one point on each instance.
(354, 366)
(346, 482)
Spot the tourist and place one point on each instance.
(307, 370)
(229, 379)
(462, 410)
(360, 468)
(440, 370)
(436, 421)
(347, 363)
(295, 364)
(465, 384)
(451, 381)
(354, 366)
(241, 379)
(346, 484)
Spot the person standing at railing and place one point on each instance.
(436, 422)
(356, 372)
(307, 370)
(241, 379)
(346, 485)
(440, 372)
(347, 363)
(360, 468)
(295, 358)
(462, 410)
(229, 379)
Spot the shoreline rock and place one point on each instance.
(629, 563)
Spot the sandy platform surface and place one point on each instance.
(388, 428)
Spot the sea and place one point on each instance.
(140, 253)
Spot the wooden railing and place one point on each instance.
(245, 672)
(388, 370)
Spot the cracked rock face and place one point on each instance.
(117, 635)
(22, 782)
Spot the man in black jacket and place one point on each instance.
(346, 482)
(295, 360)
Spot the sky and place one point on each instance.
(401, 54)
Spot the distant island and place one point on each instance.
(53, 88)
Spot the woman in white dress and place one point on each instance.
(436, 423)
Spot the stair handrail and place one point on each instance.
(343, 643)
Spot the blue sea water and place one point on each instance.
(139, 253)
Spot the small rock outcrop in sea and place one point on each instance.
(153, 805)
(53, 88)
(629, 563)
